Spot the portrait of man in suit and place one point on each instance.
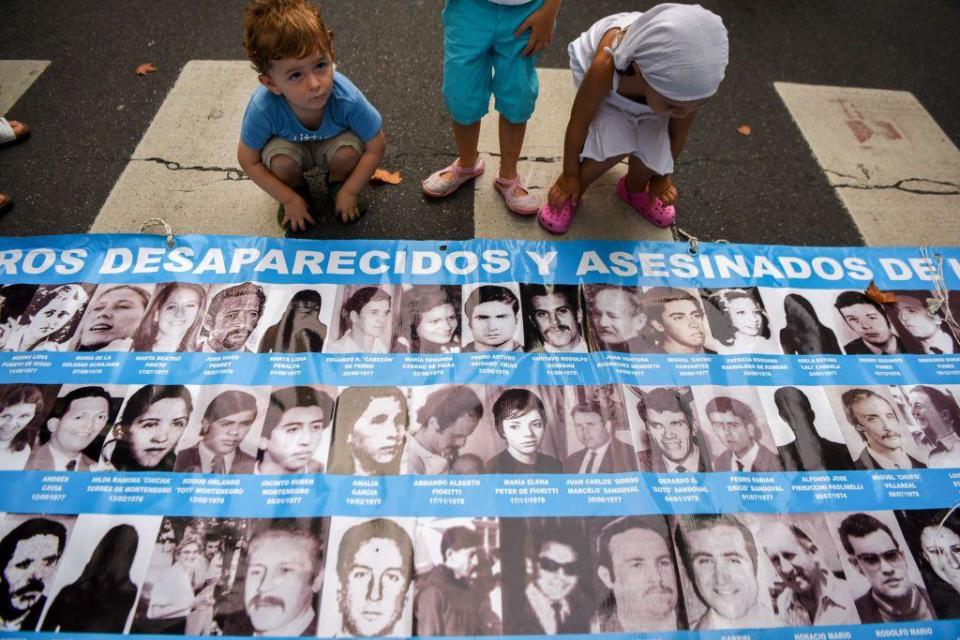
(928, 328)
(77, 419)
(224, 425)
(668, 415)
(292, 431)
(601, 453)
(867, 319)
(878, 423)
(737, 428)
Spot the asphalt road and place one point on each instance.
(88, 109)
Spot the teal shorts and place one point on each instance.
(481, 56)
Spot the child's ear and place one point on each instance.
(268, 82)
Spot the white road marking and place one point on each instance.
(894, 169)
(16, 76)
(601, 214)
(185, 168)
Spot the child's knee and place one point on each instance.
(286, 168)
(344, 159)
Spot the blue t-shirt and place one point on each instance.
(269, 115)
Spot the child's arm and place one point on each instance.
(294, 207)
(346, 204)
(540, 24)
(679, 128)
(594, 88)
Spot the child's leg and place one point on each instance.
(511, 143)
(467, 137)
(638, 175)
(590, 170)
(286, 160)
(287, 169)
(342, 163)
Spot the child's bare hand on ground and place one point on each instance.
(662, 187)
(565, 188)
(540, 24)
(346, 206)
(295, 214)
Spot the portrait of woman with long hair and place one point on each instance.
(172, 319)
(50, 320)
(804, 333)
(429, 321)
(299, 329)
(21, 414)
(738, 321)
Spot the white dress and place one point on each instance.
(620, 126)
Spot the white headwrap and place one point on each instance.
(682, 50)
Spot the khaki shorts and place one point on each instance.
(310, 154)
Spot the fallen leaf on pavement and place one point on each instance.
(744, 129)
(382, 176)
(145, 68)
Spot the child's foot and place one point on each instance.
(446, 181)
(516, 195)
(302, 190)
(333, 188)
(559, 219)
(6, 203)
(653, 209)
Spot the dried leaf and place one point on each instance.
(744, 129)
(881, 297)
(145, 68)
(382, 176)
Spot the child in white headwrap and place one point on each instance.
(640, 78)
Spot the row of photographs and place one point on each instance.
(472, 429)
(355, 577)
(255, 317)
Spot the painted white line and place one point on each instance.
(601, 214)
(894, 169)
(16, 76)
(185, 168)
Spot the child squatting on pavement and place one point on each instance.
(304, 115)
(641, 77)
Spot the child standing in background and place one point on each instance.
(641, 77)
(304, 114)
(491, 47)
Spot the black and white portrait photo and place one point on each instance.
(429, 320)
(553, 317)
(148, 429)
(866, 328)
(617, 318)
(598, 437)
(369, 431)
(72, 436)
(933, 537)
(491, 318)
(172, 320)
(804, 429)
(884, 579)
(875, 428)
(232, 317)
(295, 436)
(112, 317)
(49, 322)
(924, 330)
(638, 572)
(458, 584)
(666, 430)
(676, 323)
(364, 319)
(31, 548)
(444, 419)
(724, 587)
(935, 411)
(369, 579)
(529, 425)
(547, 576)
(221, 437)
(805, 321)
(14, 300)
(296, 319)
(23, 410)
(738, 321)
(102, 567)
(736, 425)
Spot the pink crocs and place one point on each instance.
(661, 215)
(557, 220)
(525, 205)
(437, 187)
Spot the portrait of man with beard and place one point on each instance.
(369, 431)
(553, 318)
(374, 571)
(635, 561)
(281, 585)
(29, 556)
(232, 317)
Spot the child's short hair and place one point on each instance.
(274, 29)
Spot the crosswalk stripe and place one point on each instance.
(185, 168)
(895, 170)
(601, 214)
(16, 76)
